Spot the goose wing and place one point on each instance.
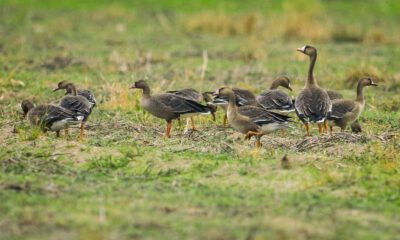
(262, 116)
(244, 97)
(52, 114)
(341, 107)
(333, 95)
(77, 104)
(88, 95)
(275, 99)
(180, 104)
(313, 105)
(189, 93)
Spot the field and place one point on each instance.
(125, 180)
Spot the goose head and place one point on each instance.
(308, 50)
(282, 81)
(141, 84)
(26, 106)
(223, 92)
(61, 85)
(367, 81)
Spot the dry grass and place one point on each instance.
(119, 96)
(222, 24)
(353, 75)
(302, 21)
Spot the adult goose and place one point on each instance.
(345, 111)
(194, 95)
(355, 126)
(63, 85)
(274, 99)
(243, 98)
(50, 117)
(312, 105)
(251, 120)
(77, 104)
(168, 106)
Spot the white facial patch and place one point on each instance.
(302, 49)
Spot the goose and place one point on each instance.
(77, 104)
(80, 92)
(274, 99)
(50, 117)
(243, 98)
(168, 106)
(312, 105)
(194, 95)
(251, 120)
(334, 95)
(345, 111)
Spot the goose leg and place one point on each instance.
(307, 126)
(319, 128)
(326, 126)
(168, 131)
(66, 132)
(225, 121)
(179, 123)
(257, 134)
(193, 126)
(81, 134)
(213, 116)
(58, 134)
(258, 142)
(331, 129)
(186, 126)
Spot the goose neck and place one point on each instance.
(310, 80)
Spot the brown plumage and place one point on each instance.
(251, 120)
(243, 98)
(76, 103)
(193, 94)
(355, 126)
(345, 111)
(50, 117)
(312, 105)
(274, 99)
(333, 95)
(168, 106)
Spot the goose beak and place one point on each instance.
(290, 88)
(56, 89)
(301, 49)
(132, 86)
(374, 84)
(216, 93)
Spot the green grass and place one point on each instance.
(126, 181)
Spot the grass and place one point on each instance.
(125, 180)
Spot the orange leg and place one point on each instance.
(168, 131)
(225, 121)
(192, 121)
(257, 135)
(258, 142)
(307, 126)
(319, 128)
(326, 126)
(81, 135)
